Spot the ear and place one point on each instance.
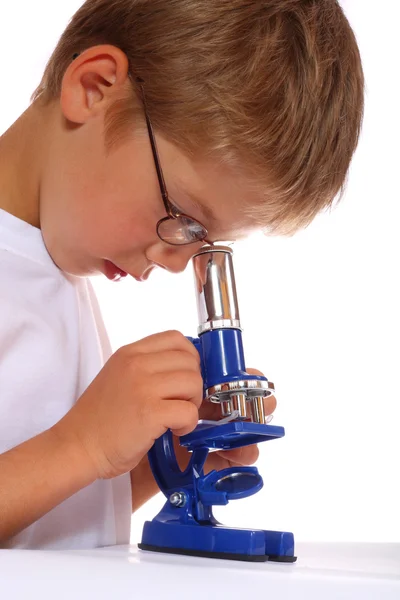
(92, 80)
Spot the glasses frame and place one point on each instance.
(170, 209)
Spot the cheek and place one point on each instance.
(116, 225)
(122, 212)
(110, 215)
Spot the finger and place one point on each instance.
(165, 361)
(244, 456)
(180, 417)
(269, 405)
(255, 372)
(159, 342)
(179, 385)
(210, 411)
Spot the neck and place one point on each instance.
(21, 157)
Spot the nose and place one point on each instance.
(172, 258)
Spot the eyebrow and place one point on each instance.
(205, 210)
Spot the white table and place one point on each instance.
(322, 572)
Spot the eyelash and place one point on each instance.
(192, 211)
(176, 208)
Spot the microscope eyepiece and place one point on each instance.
(216, 296)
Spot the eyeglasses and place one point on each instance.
(177, 229)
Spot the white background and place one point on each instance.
(320, 310)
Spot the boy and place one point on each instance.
(256, 108)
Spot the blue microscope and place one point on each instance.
(186, 524)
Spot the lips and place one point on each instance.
(112, 272)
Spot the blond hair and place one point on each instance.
(275, 85)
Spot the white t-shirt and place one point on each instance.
(52, 344)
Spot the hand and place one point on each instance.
(143, 390)
(223, 459)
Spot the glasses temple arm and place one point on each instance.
(160, 176)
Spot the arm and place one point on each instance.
(37, 476)
(143, 483)
(107, 432)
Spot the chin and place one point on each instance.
(77, 271)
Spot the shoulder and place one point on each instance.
(39, 348)
(36, 303)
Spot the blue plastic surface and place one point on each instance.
(169, 532)
(222, 357)
(235, 434)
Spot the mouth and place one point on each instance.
(114, 273)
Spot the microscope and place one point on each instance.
(186, 524)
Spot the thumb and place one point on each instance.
(254, 372)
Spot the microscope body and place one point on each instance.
(186, 524)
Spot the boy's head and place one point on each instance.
(256, 107)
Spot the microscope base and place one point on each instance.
(216, 541)
(203, 554)
(221, 555)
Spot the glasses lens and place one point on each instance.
(180, 231)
